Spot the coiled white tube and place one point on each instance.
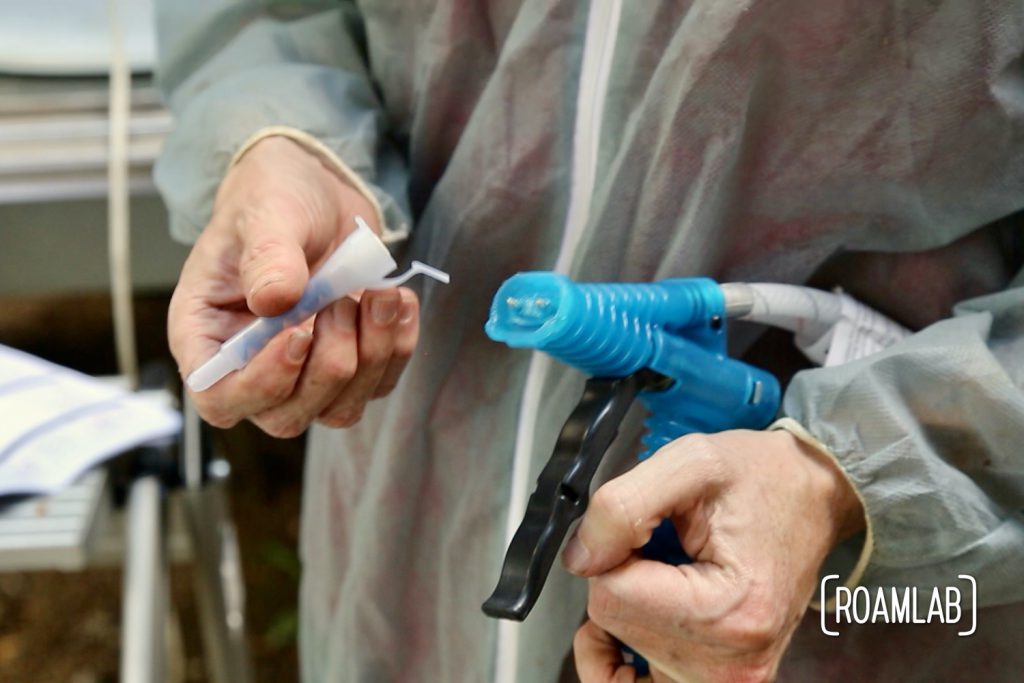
(803, 310)
(813, 316)
(118, 218)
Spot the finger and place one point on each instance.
(405, 342)
(378, 323)
(625, 511)
(331, 365)
(642, 598)
(598, 657)
(205, 309)
(267, 380)
(272, 266)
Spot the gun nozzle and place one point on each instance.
(526, 308)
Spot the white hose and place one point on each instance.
(117, 201)
(806, 311)
(828, 328)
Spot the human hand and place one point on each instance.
(279, 213)
(756, 511)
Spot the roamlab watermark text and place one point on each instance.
(889, 605)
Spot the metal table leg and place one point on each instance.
(218, 568)
(145, 585)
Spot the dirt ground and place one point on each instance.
(57, 627)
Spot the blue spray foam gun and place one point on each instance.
(662, 342)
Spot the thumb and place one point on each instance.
(624, 512)
(272, 267)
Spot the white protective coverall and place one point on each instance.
(877, 144)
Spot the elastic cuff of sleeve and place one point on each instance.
(857, 573)
(330, 159)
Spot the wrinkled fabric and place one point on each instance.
(856, 144)
(930, 431)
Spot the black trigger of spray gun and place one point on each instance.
(663, 342)
(563, 489)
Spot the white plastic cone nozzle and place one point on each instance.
(361, 261)
(358, 263)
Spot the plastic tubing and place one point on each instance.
(360, 262)
(806, 311)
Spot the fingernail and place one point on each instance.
(298, 346)
(269, 280)
(576, 557)
(408, 313)
(384, 311)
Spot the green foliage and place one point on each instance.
(283, 631)
(284, 626)
(283, 558)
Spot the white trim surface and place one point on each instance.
(598, 50)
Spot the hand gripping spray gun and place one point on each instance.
(663, 342)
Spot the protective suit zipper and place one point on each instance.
(598, 50)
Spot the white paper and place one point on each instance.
(861, 331)
(56, 423)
